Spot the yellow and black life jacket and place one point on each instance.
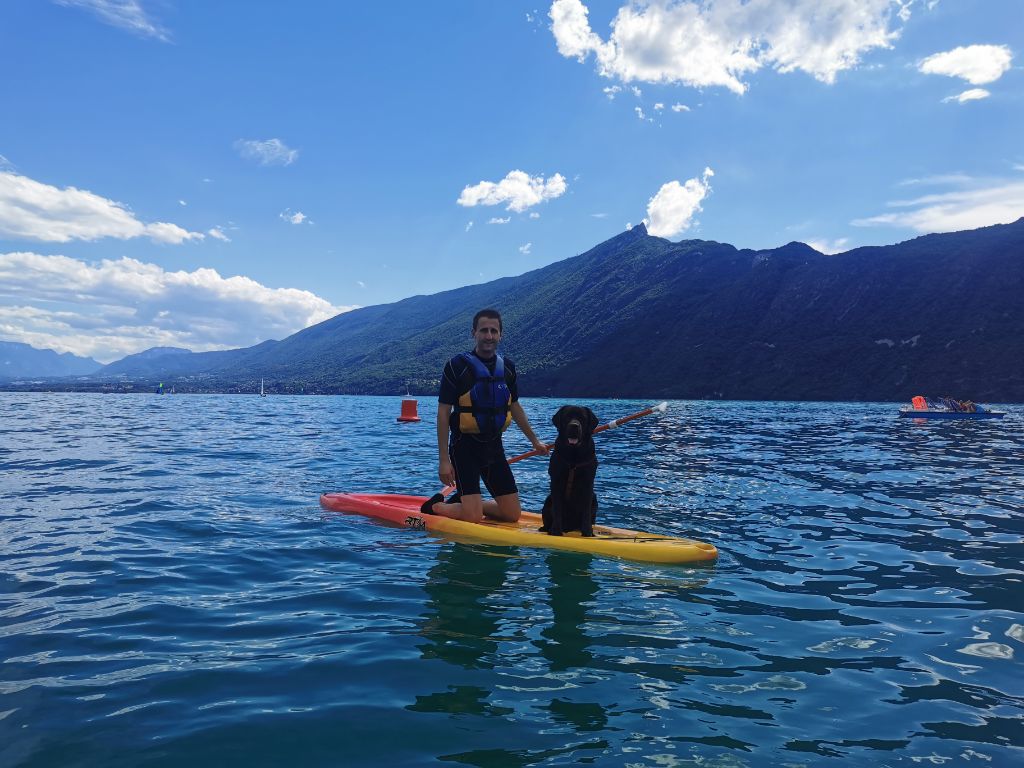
(486, 408)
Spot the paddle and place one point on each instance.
(659, 408)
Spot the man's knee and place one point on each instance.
(509, 509)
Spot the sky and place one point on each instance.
(211, 175)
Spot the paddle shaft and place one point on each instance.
(602, 428)
(660, 407)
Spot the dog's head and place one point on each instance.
(575, 424)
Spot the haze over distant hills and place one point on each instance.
(149, 362)
(19, 360)
(639, 316)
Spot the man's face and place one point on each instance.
(487, 335)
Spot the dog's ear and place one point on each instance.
(559, 416)
(591, 421)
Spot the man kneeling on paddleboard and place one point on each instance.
(479, 389)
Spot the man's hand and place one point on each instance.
(446, 472)
(540, 447)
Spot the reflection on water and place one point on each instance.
(571, 592)
(467, 590)
(556, 642)
(461, 625)
(476, 619)
(463, 616)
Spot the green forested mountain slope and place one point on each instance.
(639, 316)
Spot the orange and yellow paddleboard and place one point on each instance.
(614, 542)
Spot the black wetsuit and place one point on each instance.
(475, 457)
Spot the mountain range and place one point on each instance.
(19, 360)
(640, 316)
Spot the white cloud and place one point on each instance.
(128, 15)
(218, 234)
(977, 64)
(31, 210)
(469, 226)
(672, 209)
(525, 249)
(269, 152)
(972, 94)
(163, 232)
(979, 203)
(680, 108)
(182, 203)
(658, 107)
(5, 164)
(112, 308)
(496, 220)
(718, 42)
(937, 179)
(599, 215)
(534, 215)
(573, 35)
(360, 283)
(611, 91)
(295, 217)
(829, 246)
(518, 189)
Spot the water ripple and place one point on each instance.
(170, 592)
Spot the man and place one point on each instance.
(479, 389)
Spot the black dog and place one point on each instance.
(572, 504)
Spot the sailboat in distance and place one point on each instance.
(262, 393)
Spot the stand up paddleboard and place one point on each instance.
(615, 542)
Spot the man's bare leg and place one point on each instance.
(508, 509)
(474, 508)
(470, 508)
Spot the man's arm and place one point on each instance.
(445, 471)
(519, 416)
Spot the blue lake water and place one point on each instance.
(171, 594)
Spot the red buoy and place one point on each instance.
(408, 410)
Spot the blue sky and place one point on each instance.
(211, 175)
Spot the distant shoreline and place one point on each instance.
(9, 389)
